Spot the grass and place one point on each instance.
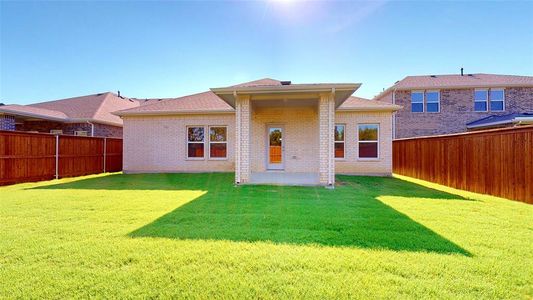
(198, 236)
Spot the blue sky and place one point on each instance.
(52, 50)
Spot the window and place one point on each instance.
(80, 133)
(56, 131)
(339, 140)
(480, 100)
(368, 141)
(218, 142)
(432, 101)
(417, 101)
(195, 141)
(497, 98)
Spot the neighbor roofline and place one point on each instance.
(55, 119)
(510, 121)
(30, 115)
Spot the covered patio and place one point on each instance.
(284, 133)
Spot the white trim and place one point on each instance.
(343, 141)
(173, 112)
(438, 100)
(377, 141)
(189, 142)
(211, 142)
(423, 100)
(503, 99)
(486, 99)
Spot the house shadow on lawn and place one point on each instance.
(348, 216)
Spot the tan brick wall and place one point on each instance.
(457, 109)
(242, 141)
(159, 144)
(326, 121)
(351, 164)
(300, 137)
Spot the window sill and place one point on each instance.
(340, 158)
(217, 158)
(195, 158)
(368, 159)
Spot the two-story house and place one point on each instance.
(442, 104)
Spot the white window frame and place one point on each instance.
(490, 100)
(210, 142)
(188, 142)
(426, 100)
(423, 101)
(56, 131)
(487, 102)
(343, 142)
(81, 133)
(377, 141)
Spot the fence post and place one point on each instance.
(57, 156)
(105, 151)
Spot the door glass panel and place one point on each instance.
(275, 140)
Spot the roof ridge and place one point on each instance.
(101, 104)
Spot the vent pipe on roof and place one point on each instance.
(118, 93)
(461, 71)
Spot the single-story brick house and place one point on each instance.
(86, 115)
(266, 131)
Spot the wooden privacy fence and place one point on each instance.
(497, 162)
(36, 156)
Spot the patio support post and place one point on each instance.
(242, 140)
(326, 115)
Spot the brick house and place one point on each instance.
(266, 131)
(442, 104)
(87, 115)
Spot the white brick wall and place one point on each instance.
(300, 137)
(158, 143)
(351, 164)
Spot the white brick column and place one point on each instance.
(326, 120)
(242, 139)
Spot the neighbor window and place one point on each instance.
(218, 142)
(339, 141)
(480, 99)
(368, 140)
(497, 100)
(195, 141)
(417, 101)
(432, 101)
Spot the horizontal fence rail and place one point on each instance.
(36, 156)
(495, 162)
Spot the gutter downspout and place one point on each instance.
(394, 115)
(92, 128)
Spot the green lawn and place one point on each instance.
(198, 236)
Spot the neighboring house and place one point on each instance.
(442, 104)
(87, 115)
(266, 131)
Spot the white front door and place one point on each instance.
(275, 148)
